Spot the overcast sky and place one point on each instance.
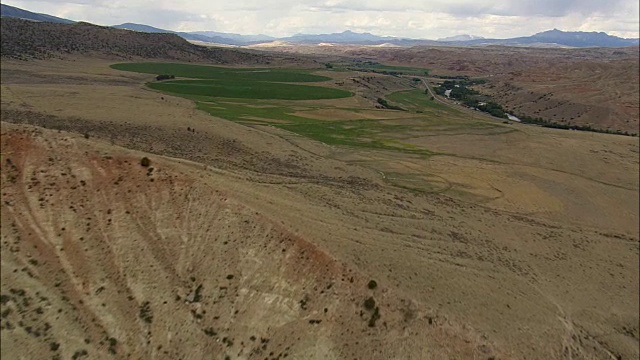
(428, 19)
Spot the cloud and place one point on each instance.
(404, 18)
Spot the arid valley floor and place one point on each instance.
(486, 240)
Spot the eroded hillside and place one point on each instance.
(105, 258)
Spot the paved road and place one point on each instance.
(432, 93)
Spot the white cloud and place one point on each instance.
(405, 18)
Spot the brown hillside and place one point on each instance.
(22, 39)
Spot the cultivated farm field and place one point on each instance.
(257, 83)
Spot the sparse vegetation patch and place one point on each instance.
(145, 312)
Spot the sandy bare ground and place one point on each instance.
(531, 252)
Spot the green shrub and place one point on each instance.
(385, 104)
(370, 303)
(145, 161)
(372, 284)
(165, 77)
(145, 312)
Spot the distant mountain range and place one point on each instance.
(553, 37)
(461, 38)
(346, 37)
(235, 37)
(204, 36)
(564, 38)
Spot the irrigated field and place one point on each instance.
(221, 73)
(256, 83)
(235, 95)
(248, 89)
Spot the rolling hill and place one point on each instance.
(11, 11)
(184, 35)
(24, 39)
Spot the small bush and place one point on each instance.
(78, 354)
(145, 312)
(374, 317)
(113, 342)
(112, 345)
(165, 77)
(386, 105)
(370, 303)
(198, 294)
(4, 299)
(145, 161)
(303, 302)
(372, 284)
(6, 313)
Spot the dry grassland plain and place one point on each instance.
(486, 240)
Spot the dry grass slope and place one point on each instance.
(22, 39)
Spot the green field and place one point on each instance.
(417, 100)
(253, 83)
(269, 97)
(381, 68)
(221, 73)
(374, 134)
(381, 134)
(248, 89)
